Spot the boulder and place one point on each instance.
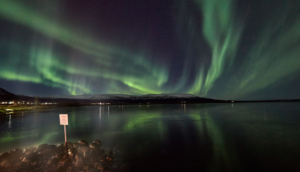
(4, 156)
(83, 142)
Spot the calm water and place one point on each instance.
(191, 137)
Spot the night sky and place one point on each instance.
(223, 49)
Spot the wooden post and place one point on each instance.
(63, 118)
(66, 140)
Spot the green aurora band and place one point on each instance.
(221, 33)
(135, 72)
(44, 61)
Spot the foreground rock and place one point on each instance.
(81, 157)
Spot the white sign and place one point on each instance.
(63, 118)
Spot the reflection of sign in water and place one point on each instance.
(63, 118)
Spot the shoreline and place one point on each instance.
(19, 109)
(16, 109)
(79, 156)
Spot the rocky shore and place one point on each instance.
(80, 157)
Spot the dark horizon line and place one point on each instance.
(196, 97)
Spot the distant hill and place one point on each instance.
(148, 98)
(5, 95)
(112, 98)
(125, 96)
(127, 99)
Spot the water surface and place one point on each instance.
(180, 137)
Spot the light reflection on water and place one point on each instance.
(9, 123)
(100, 115)
(216, 137)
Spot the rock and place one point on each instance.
(101, 153)
(85, 168)
(35, 165)
(42, 147)
(79, 163)
(60, 145)
(24, 168)
(105, 169)
(18, 164)
(27, 160)
(93, 145)
(6, 164)
(76, 145)
(16, 155)
(100, 167)
(4, 156)
(45, 152)
(83, 142)
(70, 169)
(60, 169)
(93, 170)
(69, 145)
(48, 158)
(18, 152)
(95, 152)
(52, 147)
(30, 153)
(98, 142)
(65, 162)
(84, 150)
(72, 152)
(103, 158)
(32, 149)
(61, 156)
(78, 156)
(53, 161)
(28, 150)
(124, 167)
(110, 158)
(111, 151)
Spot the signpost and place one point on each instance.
(63, 118)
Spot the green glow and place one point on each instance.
(14, 76)
(222, 153)
(222, 34)
(142, 77)
(210, 33)
(274, 56)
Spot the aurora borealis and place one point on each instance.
(233, 49)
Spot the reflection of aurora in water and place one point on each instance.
(216, 136)
(202, 121)
(219, 49)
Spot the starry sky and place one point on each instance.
(222, 49)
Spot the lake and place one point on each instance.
(178, 137)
